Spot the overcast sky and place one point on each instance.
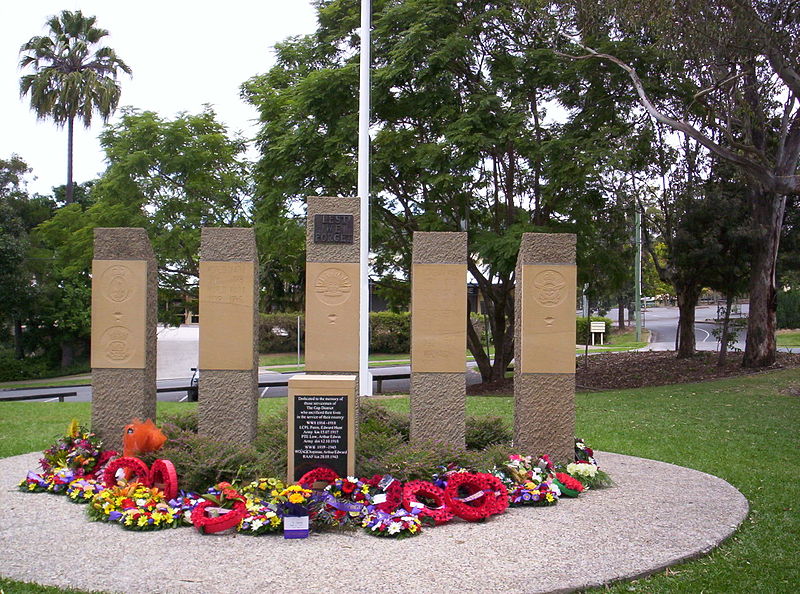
(183, 54)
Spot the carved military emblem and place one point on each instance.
(115, 344)
(550, 288)
(116, 283)
(333, 286)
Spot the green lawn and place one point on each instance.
(744, 430)
(788, 338)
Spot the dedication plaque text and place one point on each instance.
(320, 433)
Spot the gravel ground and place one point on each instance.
(640, 526)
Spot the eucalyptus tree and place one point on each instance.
(736, 69)
(72, 77)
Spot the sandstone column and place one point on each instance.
(438, 337)
(124, 309)
(332, 285)
(544, 378)
(228, 387)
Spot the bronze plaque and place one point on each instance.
(226, 315)
(333, 228)
(439, 318)
(548, 318)
(119, 297)
(332, 297)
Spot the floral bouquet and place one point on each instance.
(263, 490)
(440, 479)
(399, 524)
(33, 483)
(539, 495)
(586, 469)
(83, 490)
(294, 500)
(522, 469)
(569, 486)
(262, 508)
(79, 450)
(55, 481)
(134, 507)
(343, 504)
(224, 507)
(185, 502)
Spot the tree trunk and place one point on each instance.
(687, 301)
(723, 340)
(767, 210)
(67, 353)
(70, 131)
(19, 352)
(621, 313)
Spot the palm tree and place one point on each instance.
(71, 77)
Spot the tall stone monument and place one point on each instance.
(124, 310)
(438, 336)
(332, 285)
(544, 378)
(228, 360)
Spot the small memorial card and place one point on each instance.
(295, 527)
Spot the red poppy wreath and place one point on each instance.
(163, 476)
(393, 492)
(500, 492)
(133, 468)
(321, 474)
(467, 496)
(438, 512)
(210, 525)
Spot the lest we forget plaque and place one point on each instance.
(333, 228)
(321, 424)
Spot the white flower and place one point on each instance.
(257, 523)
(394, 528)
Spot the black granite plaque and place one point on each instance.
(333, 228)
(320, 434)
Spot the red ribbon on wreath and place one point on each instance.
(439, 512)
(321, 474)
(210, 525)
(394, 493)
(136, 468)
(500, 492)
(163, 476)
(477, 504)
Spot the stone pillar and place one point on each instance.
(438, 337)
(544, 378)
(228, 387)
(124, 310)
(332, 285)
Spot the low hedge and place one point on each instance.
(582, 328)
(389, 332)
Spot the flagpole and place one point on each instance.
(364, 378)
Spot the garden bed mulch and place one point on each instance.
(638, 369)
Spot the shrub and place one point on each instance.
(483, 432)
(389, 332)
(277, 332)
(789, 309)
(408, 461)
(13, 369)
(582, 328)
(375, 418)
(202, 461)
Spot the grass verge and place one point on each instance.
(744, 430)
(788, 338)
